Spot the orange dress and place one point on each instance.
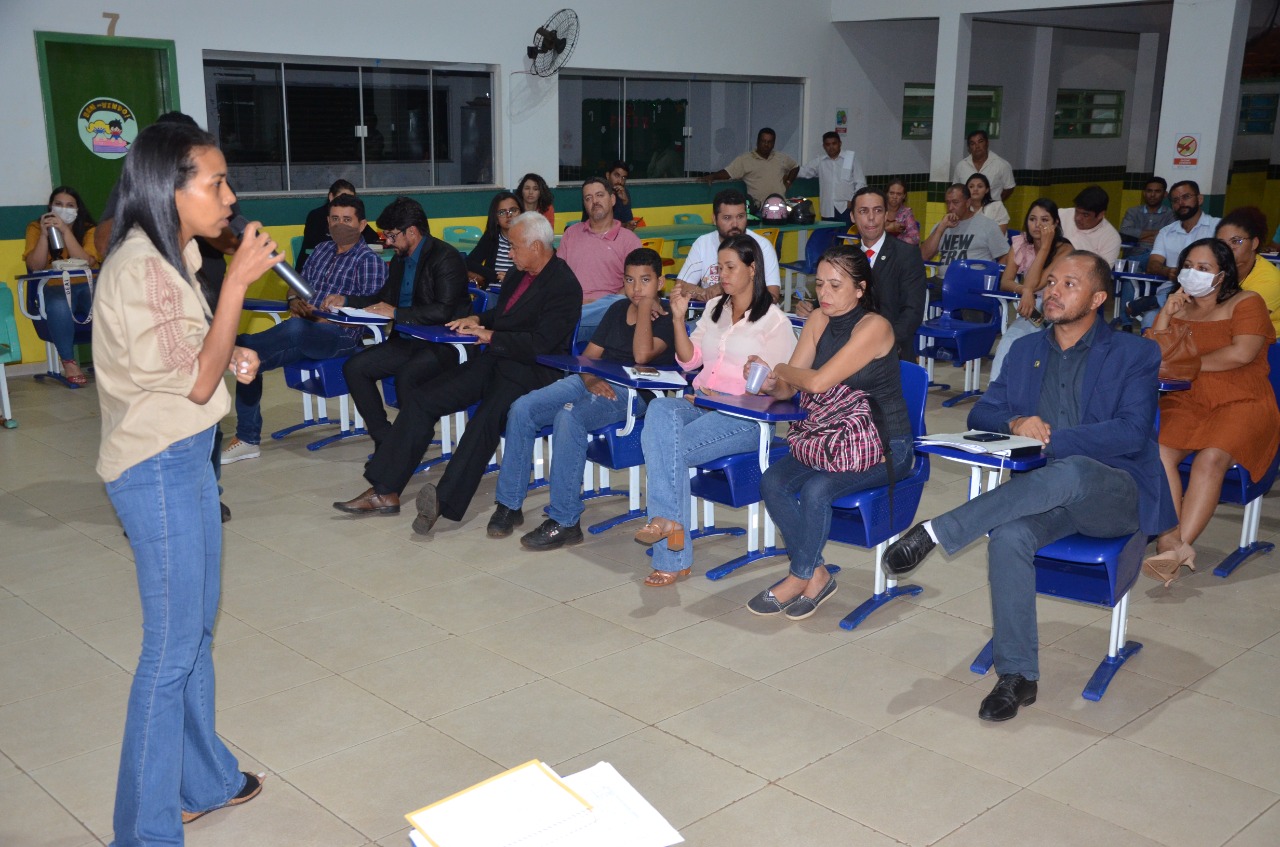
(1232, 410)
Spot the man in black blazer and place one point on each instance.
(426, 284)
(896, 270)
(536, 314)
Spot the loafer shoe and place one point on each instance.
(803, 607)
(907, 552)
(252, 788)
(371, 503)
(1013, 690)
(504, 521)
(238, 450)
(428, 504)
(765, 603)
(551, 535)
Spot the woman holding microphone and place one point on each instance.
(161, 355)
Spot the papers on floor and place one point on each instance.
(361, 313)
(673, 378)
(531, 806)
(1008, 445)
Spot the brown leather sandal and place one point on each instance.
(661, 579)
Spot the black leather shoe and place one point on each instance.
(504, 521)
(1013, 690)
(371, 503)
(907, 552)
(551, 536)
(226, 512)
(428, 504)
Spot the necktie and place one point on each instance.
(870, 255)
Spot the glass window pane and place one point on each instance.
(323, 107)
(590, 124)
(463, 128)
(397, 117)
(720, 125)
(777, 105)
(246, 115)
(656, 112)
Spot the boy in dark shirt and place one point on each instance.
(635, 330)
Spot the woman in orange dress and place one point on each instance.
(1229, 416)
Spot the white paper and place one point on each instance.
(672, 378)
(630, 819)
(361, 313)
(993, 448)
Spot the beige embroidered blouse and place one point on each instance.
(149, 323)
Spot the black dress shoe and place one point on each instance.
(226, 512)
(907, 552)
(504, 521)
(371, 503)
(551, 535)
(1013, 690)
(428, 504)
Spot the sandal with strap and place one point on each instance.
(661, 579)
(659, 528)
(77, 379)
(1165, 566)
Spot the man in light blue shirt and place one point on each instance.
(1191, 225)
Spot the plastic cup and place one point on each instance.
(756, 373)
(991, 282)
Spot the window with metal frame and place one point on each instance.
(982, 110)
(1085, 113)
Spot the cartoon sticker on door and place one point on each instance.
(108, 127)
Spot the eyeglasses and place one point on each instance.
(1236, 241)
(508, 213)
(1183, 198)
(392, 234)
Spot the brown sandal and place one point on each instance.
(1165, 566)
(252, 788)
(661, 579)
(77, 379)
(659, 528)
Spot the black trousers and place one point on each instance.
(475, 381)
(413, 363)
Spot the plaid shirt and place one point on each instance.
(358, 272)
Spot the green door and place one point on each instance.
(98, 92)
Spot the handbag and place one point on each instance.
(839, 433)
(1179, 356)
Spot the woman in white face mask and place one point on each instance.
(69, 216)
(1229, 416)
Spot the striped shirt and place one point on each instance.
(358, 272)
(502, 262)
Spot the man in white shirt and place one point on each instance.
(1191, 225)
(982, 161)
(700, 275)
(839, 176)
(1087, 228)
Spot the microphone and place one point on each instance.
(284, 270)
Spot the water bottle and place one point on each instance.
(56, 244)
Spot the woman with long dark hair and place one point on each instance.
(1229, 415)
(489, 261)
(981, 201)
(161, 355)
(64, 305)
(536, 196)
(679, 435)
(844, 342)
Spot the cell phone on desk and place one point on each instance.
(645, 370)
(986, 436)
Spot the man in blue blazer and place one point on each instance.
(1089, 394)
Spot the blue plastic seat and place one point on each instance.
(1096, 571)
(819, 242)
(687, 218)
(962, 341)
(615, 448)
(734, 480)
(322, 379)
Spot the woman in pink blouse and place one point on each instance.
(901, 223)
(678, 435)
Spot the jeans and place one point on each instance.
(575, 412)
(62, 326)
(677, 436)
(1076, 494)
(171, 758)
(292, 341)
(592, 314)
(1020, 327)
(799, 500)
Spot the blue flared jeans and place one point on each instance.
(171, 758)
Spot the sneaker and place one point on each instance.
(504, 521)
(551, 536)
(237, 450)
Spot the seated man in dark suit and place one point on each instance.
(536, 313)
(426, 284)
(1089, 394)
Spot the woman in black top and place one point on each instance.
(489, 261)
(843, 341)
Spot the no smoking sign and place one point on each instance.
(1185, 150)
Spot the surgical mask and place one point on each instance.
(1196, 283)
(67, 213)
(343, 235)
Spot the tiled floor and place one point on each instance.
(370, 672)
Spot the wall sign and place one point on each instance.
(107, 127)
(1186, 151)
